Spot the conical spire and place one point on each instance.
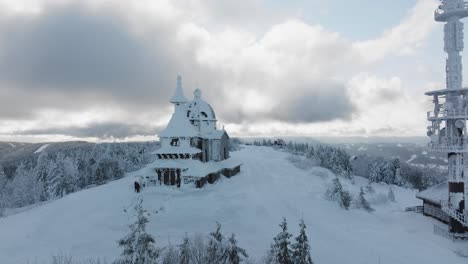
(179, 97)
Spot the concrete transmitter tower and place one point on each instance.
(448, 130)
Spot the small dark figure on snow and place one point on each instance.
(137, 187)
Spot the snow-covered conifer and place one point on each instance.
(361, 201)
(20, 188)
(281, 246)
(388, 172)
(184, 251)
(398, 178)
(198, 250)
(376, 173)
(42, 171)
(336, 193)
(171, 255)
(301, 248)
(138, 246)
(345, 200)
(234, 254)
(216, 247)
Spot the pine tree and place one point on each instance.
(62, 177)
(234, 254)
(398, 178)
(216, 248)
(21, 187)
(171, 256)
(388, 172)
(301, 248)
(138, 246)
(376, 170)
(281, 246)
(184, 250)
(362, 202)
(336, 193)
(42, 171)
(345, 200)
(271, 256)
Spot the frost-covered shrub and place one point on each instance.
(369, 188)
(391, 195)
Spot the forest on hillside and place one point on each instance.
(375, 168)
(50, 174)
(34, 177)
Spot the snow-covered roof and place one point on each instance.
(435, 194)
(178, 126)
(215, 134)
(178, 96)
(197, 168)
(177, 150)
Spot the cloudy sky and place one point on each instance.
(105, 69)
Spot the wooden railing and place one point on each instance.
(455, 214)
(416, 209)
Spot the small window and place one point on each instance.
(175, 142)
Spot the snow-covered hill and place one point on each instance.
(87, 223)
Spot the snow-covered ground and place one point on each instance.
(251, 204)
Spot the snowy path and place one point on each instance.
(42, 148)
(88, 223)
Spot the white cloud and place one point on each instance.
(248, 75)
(404, 38)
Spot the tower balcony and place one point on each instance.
(444, 12)
(449, 145)
(448, 114)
